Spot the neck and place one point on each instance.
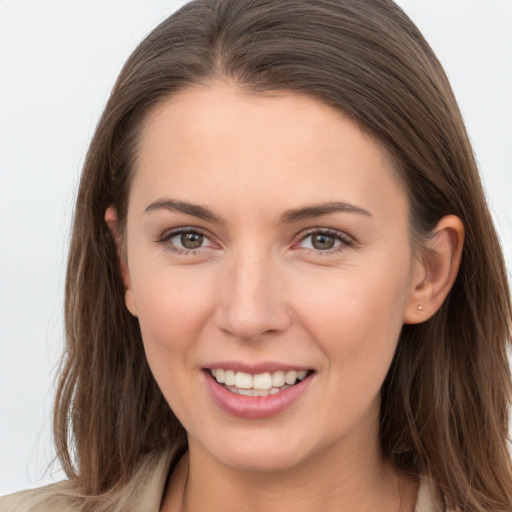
(338, 479)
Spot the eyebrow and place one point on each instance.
(190, 209)
(293, 215)
(318, 210)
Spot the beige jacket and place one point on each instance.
(142, 494)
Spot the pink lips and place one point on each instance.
(254, 407)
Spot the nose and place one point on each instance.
(252, 299)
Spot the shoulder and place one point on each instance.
(50, 498)
(429, 498)
(143, 491)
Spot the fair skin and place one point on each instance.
(264, 234)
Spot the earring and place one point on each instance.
(420, 308)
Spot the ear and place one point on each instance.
(435, 270)
(111, 220)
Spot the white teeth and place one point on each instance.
(219, 375)
(262, 381)
(229, 377)
(256, 392)
(278, 379)
(290, 377)
(261, 384)
(243, 380)
(253, 392)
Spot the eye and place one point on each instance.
(185, 240)
(324, 241)
(188, 240)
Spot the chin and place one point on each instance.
(262, 452)
(260, 461)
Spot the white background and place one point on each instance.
(58, 62)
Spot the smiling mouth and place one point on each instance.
(261, 384)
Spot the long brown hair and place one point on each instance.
(445, 400)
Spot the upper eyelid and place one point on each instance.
(166, 235)
(345, 242)
(327, 231)
(165, 240)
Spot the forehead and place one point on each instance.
(217, 142)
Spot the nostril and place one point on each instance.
(250, 322)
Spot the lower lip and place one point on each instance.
(255, 407)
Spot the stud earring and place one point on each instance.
(420, 308)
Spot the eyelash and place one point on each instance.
(165, 240)
(344, 241)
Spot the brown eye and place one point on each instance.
(191, 240)
(184, 241)
(322, 241)
(325, 241)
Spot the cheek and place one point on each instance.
(172, 312)
(172, 309)
(356, 317)
(357, 327)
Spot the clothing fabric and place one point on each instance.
(143, 493)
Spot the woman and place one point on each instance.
(284, 286)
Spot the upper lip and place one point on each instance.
(256, 368)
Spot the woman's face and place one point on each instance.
(267, 242)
